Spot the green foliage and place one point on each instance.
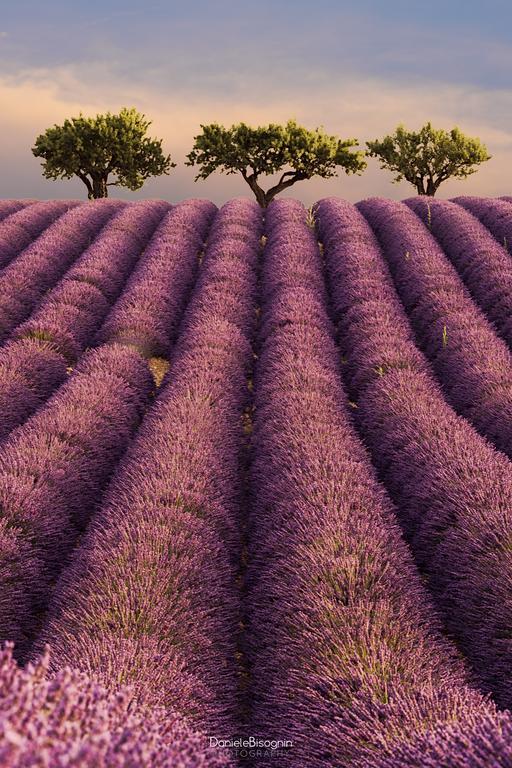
(428, 157)
(267, 150)
(92, 148)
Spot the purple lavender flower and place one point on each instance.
(484, 265)
(473, 364)
(452, 489)
(337, 613)
(70, 719)
(151, 595)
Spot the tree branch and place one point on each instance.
(273, 191)
(288, 173)
(86, 181)
(258, 192)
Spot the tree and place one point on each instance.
(92, 148)
(269, 149)
(428, 157)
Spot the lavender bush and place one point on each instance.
(34, 363)
(30, 370)
(453, 490)
(36, 269)
(473, 365)
(70, 720)
(484, 265)
(146, 313)
(342, 639)
(151, 595)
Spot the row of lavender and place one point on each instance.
(347, 660)
(452, 489)
(64, 454)
(151, 597)
(145, 323)
(473, 364)
(155, 579)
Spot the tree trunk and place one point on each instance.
(431, 188)
(265, 198)
(258, 192)
(99, 188)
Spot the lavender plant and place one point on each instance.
(472, 363)
(484, 265)
(452, 489)
(24, 280)
(68, 719)
(346, 653)
(151, 595)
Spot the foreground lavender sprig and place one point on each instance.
(70, 720)
(345, 650)
(484, 265)
(52, 472)
(151, 595)
(473, 364)
(37, 268)
(453, 490)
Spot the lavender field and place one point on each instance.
(256, 484)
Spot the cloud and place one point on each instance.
(229, 47)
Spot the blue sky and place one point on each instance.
(358, 69)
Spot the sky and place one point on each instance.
(357, 69)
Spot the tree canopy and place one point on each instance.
(268, 150)
(429, 156)
(93, 148)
